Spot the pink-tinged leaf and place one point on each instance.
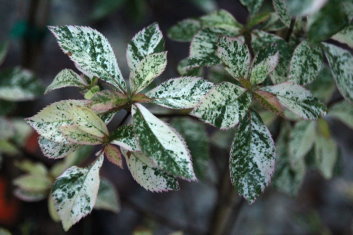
(113, 154)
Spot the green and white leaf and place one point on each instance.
(113, 154)
(55, 150)
(325, 155)
(224, 105)
(345, 36)
(341, 64)
(221, 19)
(162, 144)
(253, 6)
(252, 157)
(184, 30)
(107, 198)
(107, 100)
(147, 70)
(126, 138)
(281, 9)
(152, 179)
(75, 193)
(304, 7)
(32, 168)
(78, 135)
(261, 70)
(180, 93)
(67, 78)
(343, 111)
(91, 53)
(301, 140)
(33, 183)
(190, 66)
(324, 86)
(298, 100)
(146, 42)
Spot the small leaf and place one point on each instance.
(30, 196)
(32, 168)
(298, 100)
(341, 64)
(162, 144)
(151, 179)
(55, 150)
(184, 30)
(75, 192)
(343, 111)
(180, 93)
(33, 183)
(301, 140)
(235, 56)
(147, 70)
(325, 155)
(107, 100)
(281, 9)
(66, 78)
(221, 19)
(113, 154)
(91, 52)
(190, 65)
(252, 157)
(253, 6)
(345, 36)
(224, 105)
(261, 70)
(269, 101)
(107, 198)
(125, 137)
(146, 42)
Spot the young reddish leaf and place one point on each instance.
(113, 154)
(269, 101)
(107, 100)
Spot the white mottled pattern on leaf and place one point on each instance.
(235, 55)
(162, 143)
(75, 192)
(301, 140)
(147, 70)
(188, 64)
(261, 70)
(325, 155)
(345, 36)
(343, 111)
(91, 53)
(281, 9)
(107, 198)
(56, 150)
(180, 93)
(221, 19)
(66, 78)
(184, 30)
(306, 63)
(252, 157)
(76, 135)
(224, 105)
(125, 137)
(147, 41)
(298, 100)
(341, 64)
(152, 179)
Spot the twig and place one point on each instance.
(290, 30)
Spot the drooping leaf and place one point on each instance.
(125, 137)
(343, 111)
(152, 179)
(224, 105)
(184, 30)
(146, 42)
(91, 52)
(252, 157)
(113, 154)
(56, 150)
(17, 84)
(298, 100)
(325, 155)
(75, 192)
(261, 70)
(107, 198)
(107, 100)
(146, 70)
(66, 78)
(304, 7)
(301, 140)
(281, 9)
(345, 36)
(341, 64)
(162, 144)
(180, 93)
(253, 6)
(306, 63)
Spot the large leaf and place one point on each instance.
(342, 111)
(125, 137)
(180, 93)
(91, 52)
(75, 192)
(147, 41)
(306, 63)
(281, 9)
(107, 198)
(56, 150)
(184, 30)
(146, 70)
(150, 178)
(66, 78)
(252, 5)
(252, 157)
(301, 140)
(298, 100)
(162, 144)
(224, 105)
(341, 64)
(345, 36)
(261, 70)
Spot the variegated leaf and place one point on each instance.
(75, 192)
(281, 9)
(224, 105)
(107, 100)
(252, 157)
(261, 70)
(148, 41)
(298, 100)
(304, 7)
(67, 78)
(162, 144)
(221, 19)
(325, 155)
(301, 140)
(180, 93)
(91, 52)
(341, 64)
(107, 198)
(345, 36)
(235, 55)
(190, 65)
(77, 135)
(269, 101)
(253, 6)
(184, 30)
(147, 70)
(113, 154)
(33, 183)
(306, 63)
(342, 111)
(125, 137)
(56, 150)
(152, 179)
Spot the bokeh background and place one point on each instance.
(321, 207)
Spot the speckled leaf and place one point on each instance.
(180, 93)
(18, 85)
(252, 157)
(235, 55)
(345, 36)
(148, 41)
(56, 150)
(253, 6)
(341, 64)
(342, 111)
(325, 155)
(75, 192)
(298, 100)
(66, 78)
(190, 65)
(184, 30)
(281, 9)
(221, 19)
(125, 137)
(107, 100)
(113, 154)
(148, 69)
(151, 179)
(301, 140)
(261, 70)
(304, 7)
(91, 53)
(224, 105)
(77, 135)
(162, 144)
(107, 198)
(306, 63)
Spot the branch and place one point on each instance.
(290, 30)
